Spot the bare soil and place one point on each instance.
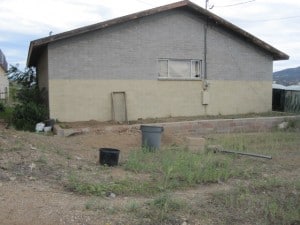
(34, 168)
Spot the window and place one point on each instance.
(179, 68)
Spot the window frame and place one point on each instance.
(190, 77)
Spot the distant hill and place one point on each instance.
(288, 76)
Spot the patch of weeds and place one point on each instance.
(176, 168)
(64, 154)
(164, 208)
(119, 187)
(263, 202)
(14, 149)
(42, 160)
(268, 143)
(293, 124)
(132, 207)
(95, 205)
(142, 160)
(89, 205)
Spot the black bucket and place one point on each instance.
(109, 156)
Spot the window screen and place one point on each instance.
(177, 68)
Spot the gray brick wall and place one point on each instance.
(230, 58)
(131, 50)
(128, 51)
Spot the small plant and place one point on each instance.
(163, 207)
(293, 124)
(42, 160)
(132, 207)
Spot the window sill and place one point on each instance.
(179, 79)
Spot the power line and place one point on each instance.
(271, 19)
(240, 3)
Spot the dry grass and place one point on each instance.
(170, 186)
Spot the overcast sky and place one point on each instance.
(276, 22)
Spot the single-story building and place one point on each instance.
(4, 83)
(286, 98)
(174, 60)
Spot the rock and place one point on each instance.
(283, 125)
(32, 166)
(184, 223)
(112, 195)
(31, 178)
(69, 132)
(77, 158)
(12, 178)
(33, 148)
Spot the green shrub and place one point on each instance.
(31, 99)
(31, 94)
(26, 116)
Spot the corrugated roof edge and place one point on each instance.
(286, 88)
(36, 46)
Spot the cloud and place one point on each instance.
(276, 22)
(39, 17)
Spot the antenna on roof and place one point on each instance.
(208, 6)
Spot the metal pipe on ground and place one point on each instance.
(246, 153)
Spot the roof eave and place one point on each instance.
(39, 44)
(44, 41)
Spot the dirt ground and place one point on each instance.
(33, 169)
(31, 191)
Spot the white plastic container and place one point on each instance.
(39, 127)
(47, 129)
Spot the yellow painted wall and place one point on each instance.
(81, 100)
(239, 97)
(4, 83)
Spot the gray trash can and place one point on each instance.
(151, 136)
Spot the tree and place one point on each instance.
(30, 108)
(26, 78)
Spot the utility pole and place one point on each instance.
(205, 44)
(206, 4)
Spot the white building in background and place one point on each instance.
(4, 83)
